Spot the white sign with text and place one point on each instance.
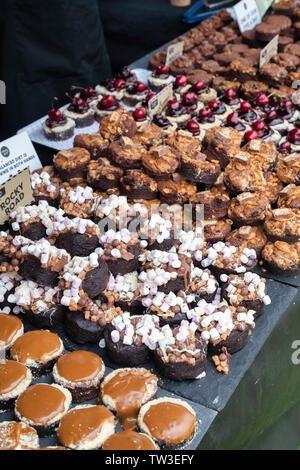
(247, 14)
(17, 153)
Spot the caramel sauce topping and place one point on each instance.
(37, 345)
(82, 424)
(127, 388)
(12, 373)
(79, 366)
(10, 435)
(170, 422)
(10, 325)
(41, 403)
(128, 440)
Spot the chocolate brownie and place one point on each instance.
(265, 32)
(135, 184)
(94, 143)
(118, 124)
(177, 190)
(248, 209)
(252, 237)
(222, 144)
(281, 257)
(126, 153)
(289, 197)
(71, 164)
(273, 74)
(103, 175)
(242, 174)
(288, 168)
(283, 224)
(251, 88)
(161, 161)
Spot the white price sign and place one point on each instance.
(17, 153)
(247, 14)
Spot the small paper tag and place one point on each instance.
(263, 6)
(157, 103)
(174, 51)
(247, 14)
(15, 193)
(268, 51)
(17, 153)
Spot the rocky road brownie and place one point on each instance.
(129, 339)
(78, 202)
(45, 185)
(248, 291)
(229, 259)
(181, 353)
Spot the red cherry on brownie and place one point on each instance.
(285, 103)
(213, 104)
(251, 135)
(259, 125)
(205, 112)
(189, 97)
(272, 115)
(107, 101)
(140, 113)
(294, 134)
(262, 99)
(162, 70)
(230, 94)
(119, 84)
(149, 96)
(140, 86)
(55, 114)
(245, 106)
(193, 125)
(285, 146)
(233, 119)
(173, 105)
(180, 80)
(198, 85)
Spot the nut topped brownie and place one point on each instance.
(126, 153)
(283, 224)
(94, 143)
(71, 164)
(117, 124)
(248, 208)
(161, 161)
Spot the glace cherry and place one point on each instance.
(251, 135)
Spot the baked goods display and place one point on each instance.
(103, 254)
